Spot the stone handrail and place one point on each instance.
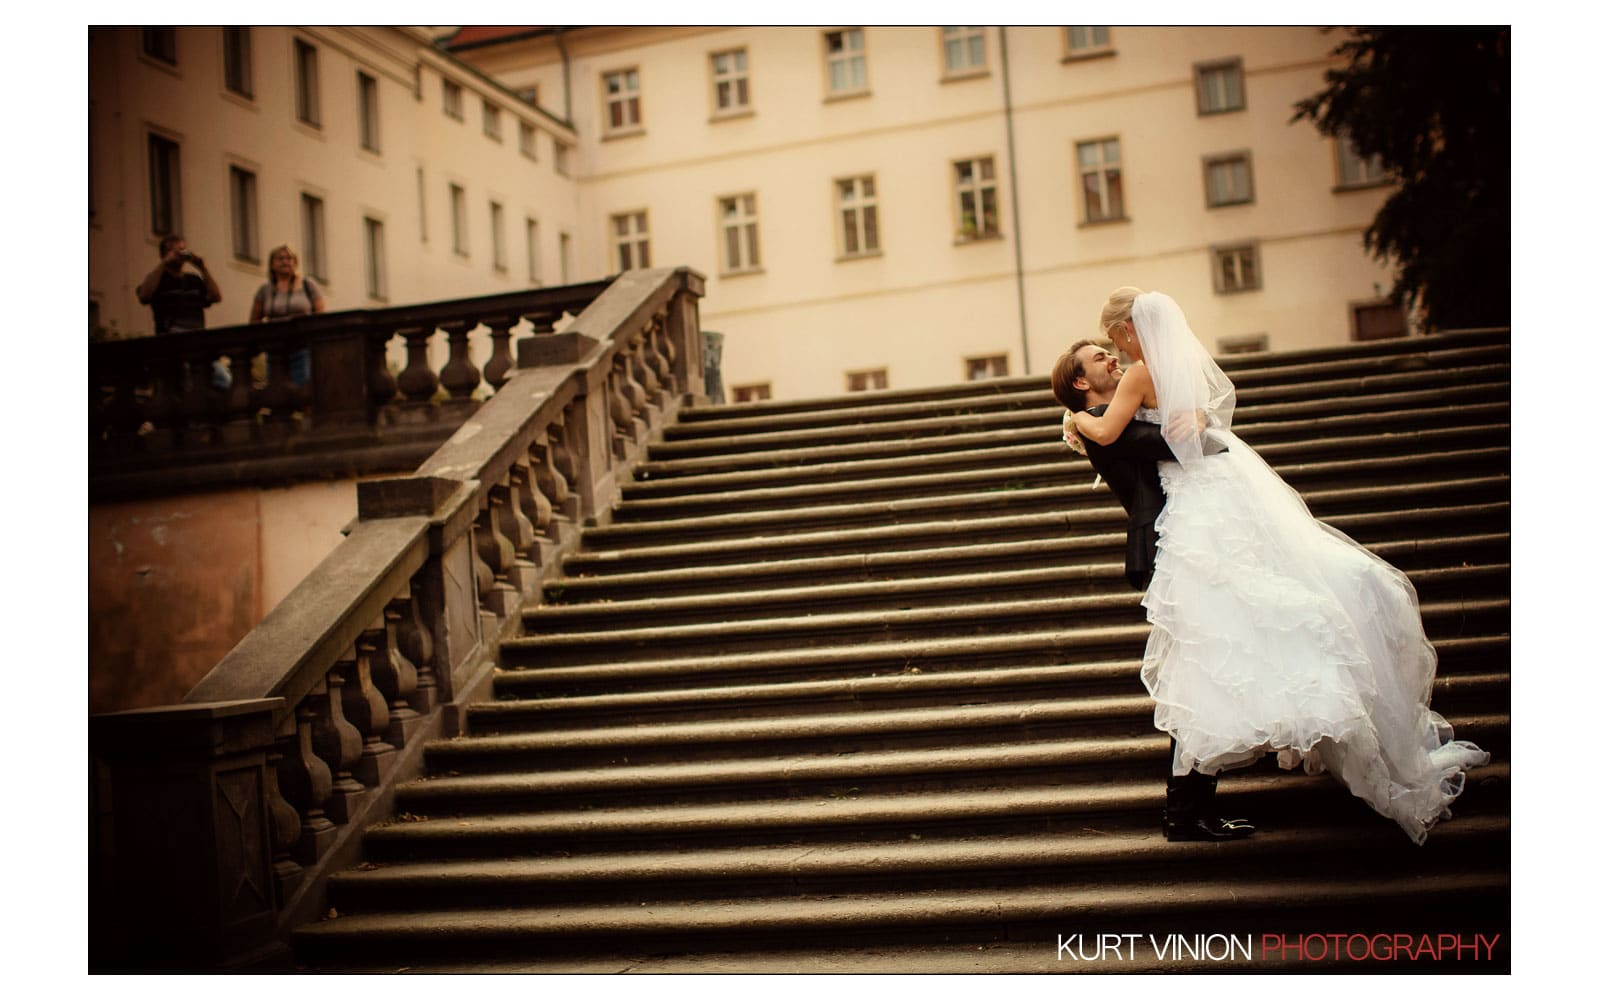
(154, 405)
(217, 822)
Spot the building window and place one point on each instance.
(533, 253)
(977, 200)
(526, 138)
(497, 235)
(367, 94)
(740, 246)
(162, 44)
(242, 201)
(166, 214)
(562, 156)
(491, 121)
(313, 236)
(876, 378)
(752, 393)
(1228, 180)
(530, 95)
(1088, 41)
(631, 236)
(622, 100)
(993, 366)
(1250, 343)
(858, 215)
(458, 219)
(847, 61)
(1219, 86)
(1236, 268)
(730, 82)
(1356, 172)
(422, 206)
(307, 95)
(963, 51)
(377, 267)
(452, 100)
(564, 244)
(1100, 175)
(236, 72)
(1378, 321)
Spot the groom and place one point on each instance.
(1085, 378)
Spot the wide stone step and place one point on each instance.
(969, 589)
(1445, 618)
(1488, 401)
(1471, 672)
(1137, 853)
(1103, 549)
(1272, 799)
(1431, 474)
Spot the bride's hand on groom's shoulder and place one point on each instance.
(1069, 433)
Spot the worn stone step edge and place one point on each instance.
(849, 482)
(731, 469)
(930, 808)
(550, 620)
(1139, 850)
(738, 577)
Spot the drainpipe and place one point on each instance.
(566, 72)
(1016, 202)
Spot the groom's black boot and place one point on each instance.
(1191, 811)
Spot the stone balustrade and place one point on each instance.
(217, 822)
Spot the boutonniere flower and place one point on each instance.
(1069, 434)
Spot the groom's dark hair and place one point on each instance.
(1067, 370)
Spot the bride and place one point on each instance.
(1270, 631)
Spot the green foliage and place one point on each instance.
(1435, 105)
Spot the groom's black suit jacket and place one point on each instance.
(1128, 465)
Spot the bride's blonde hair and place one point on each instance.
(1118, 308)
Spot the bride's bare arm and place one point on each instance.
(1132, 392)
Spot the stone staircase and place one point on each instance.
(850, 684)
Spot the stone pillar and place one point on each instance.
(189, 880)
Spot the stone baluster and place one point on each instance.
(241, 404)
(625, 428)
(278, 398)
(664, 355)
(416, 645)
(552, 485)
(366, 708)
(543, 320)
(644, 371)
(459, 375)
(417, 381)
(564, 458)
(164, 410)
(396, 676)
(119, 415)
(527, 507)
(200, 403)
(338, 743)
(306, 783)
(382, 386)
(285, 829)
(498, 370)
(496, 554)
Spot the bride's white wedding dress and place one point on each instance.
(1274, 633)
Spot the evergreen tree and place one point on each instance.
(1435, 105)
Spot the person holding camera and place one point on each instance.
(178, 299)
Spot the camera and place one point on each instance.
(186, 255)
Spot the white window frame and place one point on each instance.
(532, 233)
(630, 239)
(527, 140)
(1210, 100)
(564, 246)
(242, 188)
(314, 235)
(491, 120)
(738, 221)
(855, 202)
(976, 188)
(458, 220)
(237, 63)
(621, 109)
(866, 380)
(307, 84)
(733, 81)
(847, 59)
(1245, 343)
(979, 368)
(367, 112)
(1093, 40)
(166, 183)
(1228, 268)
(755, 392)
(1351, 172)
(1237, 159)
(1100, 208)
(451, 99)
(961, 38)
(376, 258)
(165, 39)
(497, 235)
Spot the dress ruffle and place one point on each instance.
(1274, 633)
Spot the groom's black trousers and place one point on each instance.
(1188, 795)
